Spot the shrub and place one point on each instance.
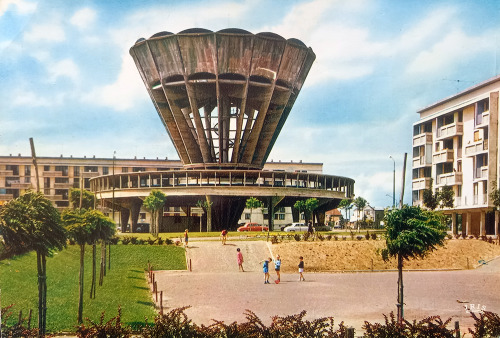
(320, 237)
(140, 241)
(168, 241)
(17, 330)
(174, 323)
(344, 238)
(133, 239)
(335, 237)
(352, 235)
(449, 236)
(160, 241)
(274, 239)
(126, 240)
(177, 242)
(71, 241)
(359, 237)
(114, 240)
(151, 240)
(328, 237)
(111, 328)
(486, 325)
(490, 240)
(297, 237)
(306, 236)
(367, 236)
(374, 236)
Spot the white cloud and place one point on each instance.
(455, 47)
(29, 98)
(21, 6)
(64, 68)
(49, 31)
(83, 18)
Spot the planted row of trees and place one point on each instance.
(31, 223)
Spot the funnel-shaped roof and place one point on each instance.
(222, 96)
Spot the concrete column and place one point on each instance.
(454, 229)
(468, 224)
(482, 222)
(496, 223)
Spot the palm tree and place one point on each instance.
(307, 206)
(154, 203)
(411, 232)
(31, 222)
(252, 203)
(360, 204)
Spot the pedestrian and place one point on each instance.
(301, 269)
(239, 257)
(186, 238)
(277, 267)
(223, 236)
(265, 269)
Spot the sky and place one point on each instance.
(68, 81)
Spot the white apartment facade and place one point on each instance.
(455, 143)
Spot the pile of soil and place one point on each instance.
(349, 255)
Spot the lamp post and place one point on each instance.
(393, 183)
(113, 195)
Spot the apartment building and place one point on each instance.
(57, 175)
(455, 143)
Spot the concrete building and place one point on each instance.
(455, 143)
(57, 175)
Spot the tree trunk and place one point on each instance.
(92, 285)
(400, 289)
(42, 293)
(109, 256)
(102, 266)
(80, 284)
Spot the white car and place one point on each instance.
(296, 227)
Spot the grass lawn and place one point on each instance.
(125, 284)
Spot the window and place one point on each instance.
(476, 136)
(76, 171)
(91, 169)
(46, 168)
(105, 170)
(62, 180)
(138, 169)
(247, 216)
(27, 170)
(124, 170)
(14, 168)
(63, 170)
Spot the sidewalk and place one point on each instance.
(216, 290)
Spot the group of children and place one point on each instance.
(277, 267)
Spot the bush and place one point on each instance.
(168, 241)
(374, 236)
(126, 240)
(160, 241)
(133, 239)
(111, 328)
(367, 236)
(328, 237)
(486, 325)
(296, 237)
(140, 241)
(17, 330)
(172, 324)
(114, 240)
(359, 237)
(320, 237)
(449, 236)
(335, 237)
(151, 240)
(274, 239)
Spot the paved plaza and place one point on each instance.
(216, 290)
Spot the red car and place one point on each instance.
(253, 227)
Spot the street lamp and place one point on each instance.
(113, 196)
(393, 183)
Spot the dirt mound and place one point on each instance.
(365, 255)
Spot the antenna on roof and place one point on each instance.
(458, 82)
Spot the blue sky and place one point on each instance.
(68, 81)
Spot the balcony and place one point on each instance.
(421, 183)
(420, 161)
(4, 172)
(63, 185)
(89, 174)
(6, 197)
(422, 139)
(52, 173)
(450, 130)
(449, 179)
(54, 197)
(483, 120)
(481, 173)
(443, 156)
(476, 148)
(20, 185)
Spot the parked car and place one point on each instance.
(253, 227)
(296, 227)
(142, 227)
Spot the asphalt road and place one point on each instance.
(216, 290)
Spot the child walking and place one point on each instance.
(301, 269)
(186, 238)
(239, 257)
(265, 269)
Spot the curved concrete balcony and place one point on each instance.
(422, 139)
(224, 183)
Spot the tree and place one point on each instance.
(495, 194)
(86, 197)
(31, 222)
(411, 232)
(252, 203)
(80, 232)
(446, 197)
(345, 204)
(360, 204)
(306, 206)
(154, 203)
(207, 207)
(430, 199)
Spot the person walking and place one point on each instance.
(186, 238)
(301, 269)
(277, 267)
(239, 257)
(265, 269)
(223, 236)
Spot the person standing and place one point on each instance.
(265, 269)
(186, 238)
(277, 267)
(301, 269)
(239, 257)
